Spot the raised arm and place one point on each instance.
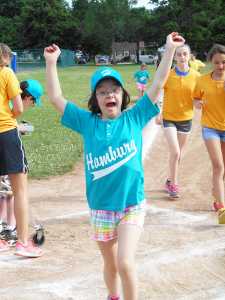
(55, 96)
(173, 41)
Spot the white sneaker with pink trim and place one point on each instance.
(4, 246)
(27, 250)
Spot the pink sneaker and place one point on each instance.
(221, 215)
(215, 203)
(167, 185)
(27, 250)
(4, 246)
(174, 192)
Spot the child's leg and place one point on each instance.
(2, 209)
(223, 153)
(111, 276)
(11, 221)
(182, 140)
(174, 147)
(128, 236)
(21, 204)
(140, 93)
(214, 147)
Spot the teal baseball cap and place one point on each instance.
(103, 74)
(35, 89)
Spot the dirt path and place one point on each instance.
(181, 254)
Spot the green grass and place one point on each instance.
(53, 149)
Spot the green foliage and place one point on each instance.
(192, 19)
(8, 32)
(46, 22)
(11, 8)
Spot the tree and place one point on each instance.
(136, 29)
(79, 9)
(190, 18)
(105, 20)
(8, 32)
(11, 8)
(44, 22)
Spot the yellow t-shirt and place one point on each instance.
(9, 88)
(196, 64)
(178, 101)
(213, 95)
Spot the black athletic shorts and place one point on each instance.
(181, 126)
(12, 154)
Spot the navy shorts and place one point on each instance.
(181, 127)
(12, 154)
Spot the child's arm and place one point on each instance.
(198, 103)
(55, 96)
(173, 41)
(149, 79)
(17, 106)
(158, 119)
(131, 80)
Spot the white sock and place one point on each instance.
(11, 228)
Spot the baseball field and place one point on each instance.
(181, 253)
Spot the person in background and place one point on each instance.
(209, 95)
(141, 80)
(177, 113)
(12, 155)
(196, 64)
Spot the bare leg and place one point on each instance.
(2, 209)
(176, 142)
(11, 221)
(139, 93)
(182, 140)
(21, 204)
(223, 152)
(215, 151)
(128, 237)
(111, 276)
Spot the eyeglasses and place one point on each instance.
(34, 101)
(104, 94)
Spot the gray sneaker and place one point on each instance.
(2, 234)
(11, 237)
(174, 192)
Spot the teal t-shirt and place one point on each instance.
(112, 154)
(141, 76)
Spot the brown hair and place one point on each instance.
(93, 102)
(143, 65)
(215, 49)
(24, 85)
(5, 52)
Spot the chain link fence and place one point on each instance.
(34, 59)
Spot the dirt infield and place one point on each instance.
(181, 254)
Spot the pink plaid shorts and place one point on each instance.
(104, 223)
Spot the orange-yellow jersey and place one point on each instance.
(178, 100)
(213, 95)
(9, 88)
(196, 64)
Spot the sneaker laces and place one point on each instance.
(174, 188)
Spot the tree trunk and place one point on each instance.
(113, 43)
(137, 52)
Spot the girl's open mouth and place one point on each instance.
(111, 104)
